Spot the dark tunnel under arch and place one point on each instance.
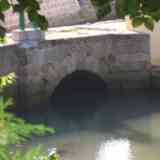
(80, 91)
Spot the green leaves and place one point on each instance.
(2, 18)
(128, 7)
(103, 7)
(131, 7)
(149, 23)
(41, 22)
(136, 9)
(14, 130)
(2, 33)
(100, 2)
(104, 10)
(31, 7)
(150, 5)
(146, 20)
(137, 21)
(4, 5)
(35, 153)
(7, 80)
(18, 8)
(4, 155)
(38, 19)
(145, 12)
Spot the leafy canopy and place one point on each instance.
(103, 7)
(145, 12)
(31, 7)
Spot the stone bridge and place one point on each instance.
(120, 57)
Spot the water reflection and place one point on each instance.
(124, 127)
(92, 124)
(115, 149)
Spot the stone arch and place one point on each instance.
(87, 75)
(63, 71)
(53, 72)
(80, 90)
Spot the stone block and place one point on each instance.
(28, 35)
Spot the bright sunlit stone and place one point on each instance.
(119, 149)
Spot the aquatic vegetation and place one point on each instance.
(14, 130)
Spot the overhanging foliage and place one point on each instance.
(145, 12)
(31, 7)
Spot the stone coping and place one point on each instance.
(102, 28)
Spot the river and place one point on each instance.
(99, 125)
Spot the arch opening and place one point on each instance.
(79, 91)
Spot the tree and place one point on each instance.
(145, 12)
(103, 7)
(31, 7)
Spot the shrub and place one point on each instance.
(14, 130)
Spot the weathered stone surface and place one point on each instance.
(30, 34)
(122, 60)
(60, 12)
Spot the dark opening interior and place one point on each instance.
(79, 91)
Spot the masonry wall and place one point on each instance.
(122, 60)
(60, 12)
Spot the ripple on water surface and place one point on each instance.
(124, 126)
